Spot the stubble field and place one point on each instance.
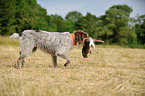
(114, 72)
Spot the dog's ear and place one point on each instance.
(79, 36)
(86, 47)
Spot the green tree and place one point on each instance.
(7, 16)
(73, 15)
(40, 18)
(115, 25)
(30, 15)
(140, 29)
(55, 23)
(87, 24)
(19, 15)
(69, 25)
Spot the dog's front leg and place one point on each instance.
(54, 58)
(65, 57)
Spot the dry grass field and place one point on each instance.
(114, 72)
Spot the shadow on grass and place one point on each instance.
(12, 66)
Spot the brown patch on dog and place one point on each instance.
(79, 36)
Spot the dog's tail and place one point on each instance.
(15, 35)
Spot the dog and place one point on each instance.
(54, 43)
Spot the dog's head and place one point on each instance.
(83, 38)
(79, 36)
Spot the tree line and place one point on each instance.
(115, 27)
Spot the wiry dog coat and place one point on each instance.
(54, 43)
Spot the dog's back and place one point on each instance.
(51, 42)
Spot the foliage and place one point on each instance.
(69, 25)
(140, 29)
(73, 15)
(55, 23)
(115, 26)
(19, 15)
(87, 24)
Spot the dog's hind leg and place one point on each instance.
(25, 51)
(23, 54)
(65, 57)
